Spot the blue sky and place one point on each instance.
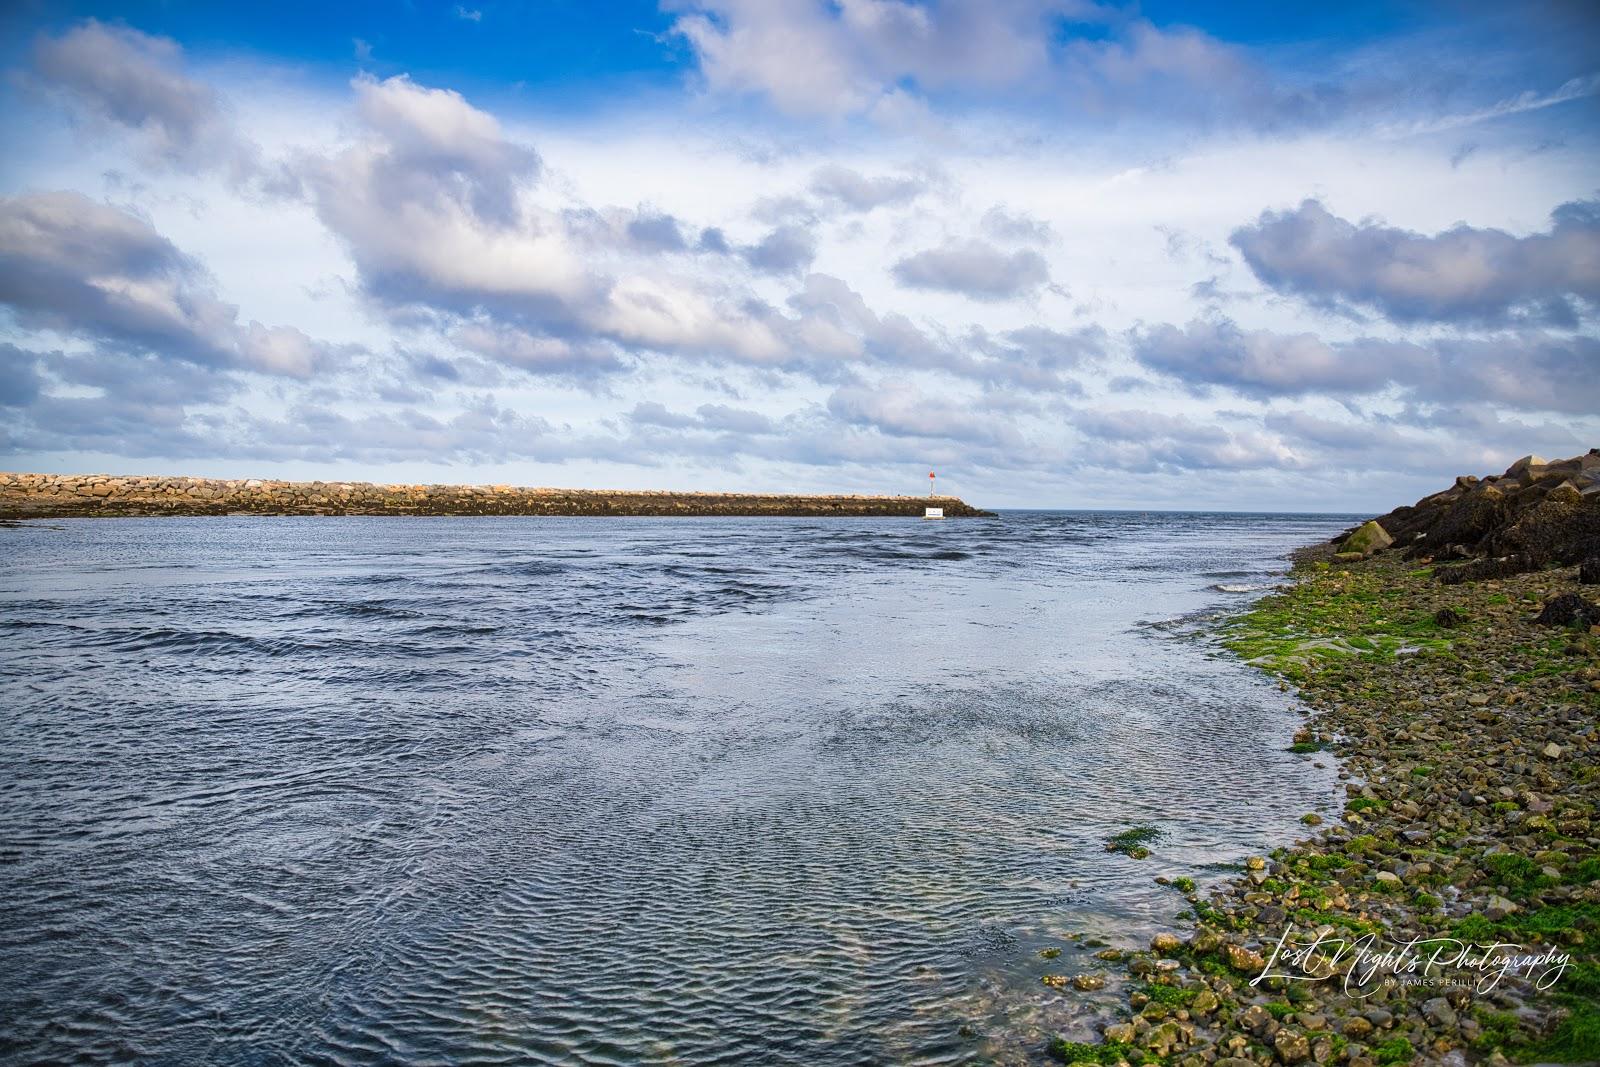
(1068, 253)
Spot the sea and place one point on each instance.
(438, 791)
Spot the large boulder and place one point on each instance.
(1557, 531)
(1569, 609)
(1368, 539)
(1465, 521)
(1527, 466)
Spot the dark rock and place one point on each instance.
(1557, 530)
(1589, 571)
(1569, 609)
(1439, 1012)
(1466, 521)
(1482, 569)
(1449, 618)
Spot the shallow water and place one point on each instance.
(437, 791)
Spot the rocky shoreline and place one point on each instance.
(1465, 715)
(40, 496)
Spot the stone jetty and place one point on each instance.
(30, 496)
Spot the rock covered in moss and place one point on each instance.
(1369, 538)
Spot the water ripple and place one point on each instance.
(279, 791)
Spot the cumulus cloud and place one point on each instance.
(785, 250)
(116, 76)
(437, 206)
(1438, 443)
(656, 232)
(1464, 275)
(899, 409)
(133, 426)
(835, 319)
(1264, 363)
(19, 376)
(1035, 358)
(544, 355)
(1016, 227)
(882, 58)
(815, 58)
(857, 192)
(118, 402)
(711, 418)
(1145, 441)
(86, 269)
(1530, 370)
(723, 417)
(976, 269)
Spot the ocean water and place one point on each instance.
(590, 791)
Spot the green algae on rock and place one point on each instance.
(1133, 841)
(1367, 539)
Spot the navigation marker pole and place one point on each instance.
(932, 512)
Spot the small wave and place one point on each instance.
(1240, 587)
(531, 568)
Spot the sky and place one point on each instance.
(1237, 256)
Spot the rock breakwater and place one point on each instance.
(1539, 513)
(24, 496)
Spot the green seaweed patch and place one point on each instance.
(1535, 924)
(1395, 1050)
(1065, 1051)
(1312, 917)
(1497, 1030)
(1327, 617)
(1587, 871)
(1170, 995)
(1133, 841)
(1576, 1039)
(1519, 875)
(1582, 978)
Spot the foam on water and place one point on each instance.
(611, 791)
